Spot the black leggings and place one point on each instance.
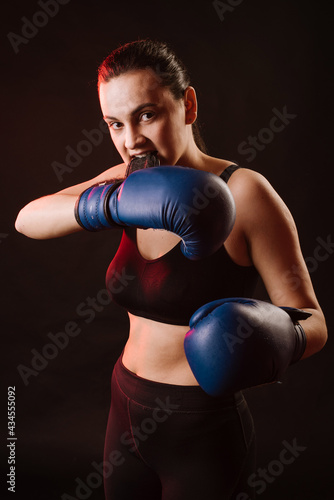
(175, 442)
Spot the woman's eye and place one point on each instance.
(115, 125)
(147, 116)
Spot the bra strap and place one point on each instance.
(228, 172)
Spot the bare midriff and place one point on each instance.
(154, 351)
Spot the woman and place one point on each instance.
(167, 437)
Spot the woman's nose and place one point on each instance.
(133, 138)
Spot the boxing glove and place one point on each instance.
(237, 343)
(194, 204)
(91, 209)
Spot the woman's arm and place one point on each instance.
(52, 216)
(274, 249)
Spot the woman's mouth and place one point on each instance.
(146, 159)
(144, 153)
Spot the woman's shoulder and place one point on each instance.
(241, 179)
(246, 180)
(256, 198)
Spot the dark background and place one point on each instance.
(262, 55)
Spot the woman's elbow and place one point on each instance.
(20, 222)
(26, 223)
(323, 337)
(316, 333)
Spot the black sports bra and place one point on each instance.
(171, 288)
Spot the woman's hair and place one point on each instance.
(160, 60)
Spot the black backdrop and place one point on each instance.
(248, 61)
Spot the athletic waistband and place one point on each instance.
(150, 393)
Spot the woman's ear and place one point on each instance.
(190, 102)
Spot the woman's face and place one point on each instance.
(144, 116)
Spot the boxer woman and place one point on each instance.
(197, 231)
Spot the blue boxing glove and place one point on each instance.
(194, 204)
(237, 343)
(91, 209)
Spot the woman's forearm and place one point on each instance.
(48, 217)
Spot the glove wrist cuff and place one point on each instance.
(91, 209)
(300, 343)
